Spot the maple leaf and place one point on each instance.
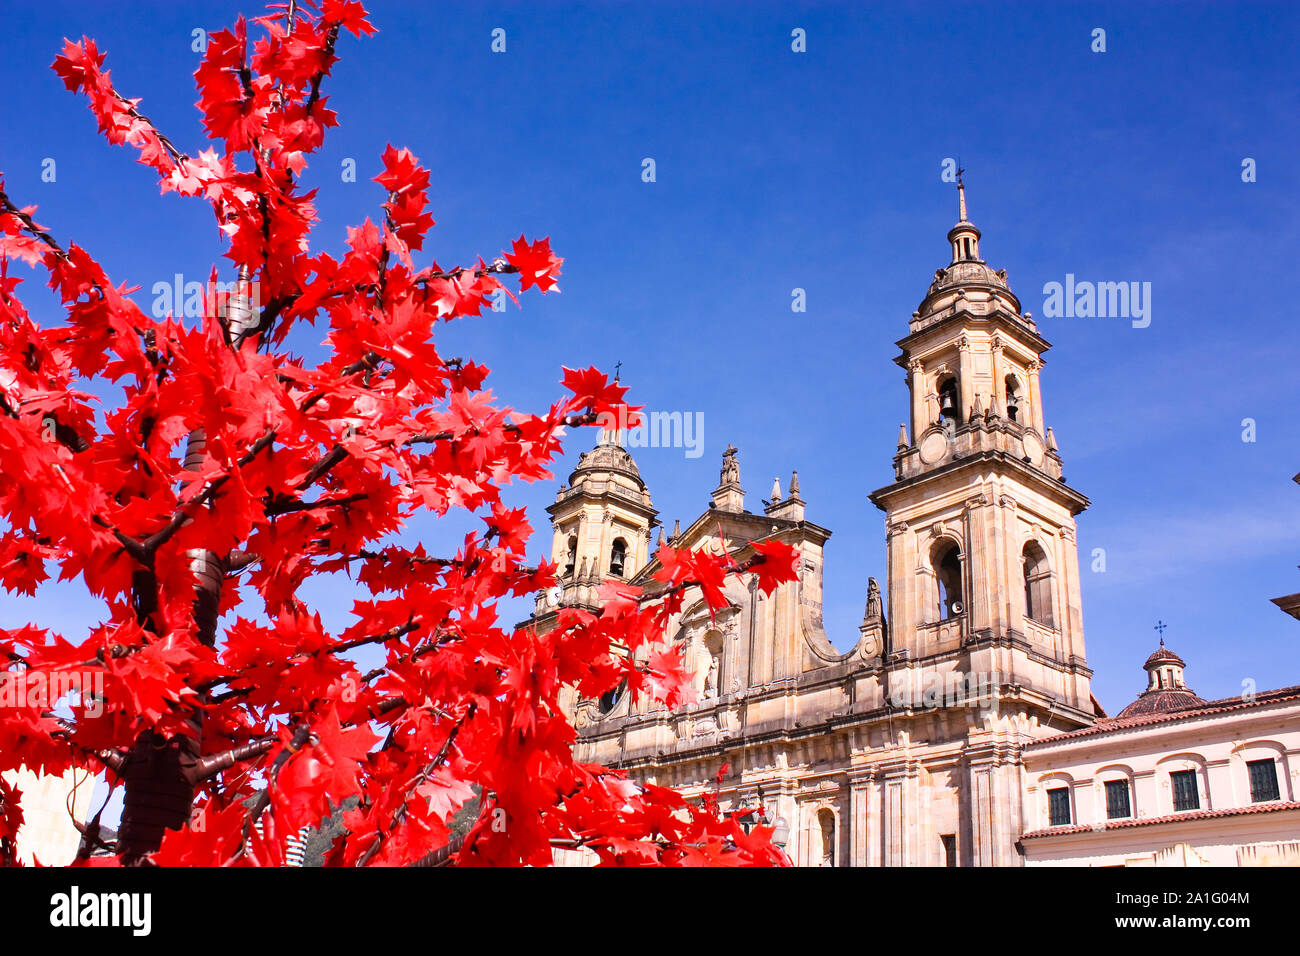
(780, 564)
(536, 263)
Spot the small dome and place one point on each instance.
(1164, 655)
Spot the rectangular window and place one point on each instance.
(949, 849)
(1117, 803)
(1058, 806)
(1186, 796)
(1263, 780)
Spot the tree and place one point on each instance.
(227, 459)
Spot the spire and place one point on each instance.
(903, 441)
(1051, 439)
(661, 541)
(776, 490)
(792, 507)
(965, 238)
(975, 409)
(994, 411)
(677, 529)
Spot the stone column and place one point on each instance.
(966, 374)
(1010, 577)
(901, 587)
(980, 612)
(1036, 397)
(999, 374)
(919, 424)
(859, 795)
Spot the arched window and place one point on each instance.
(946, 561)
(570, 555)
(609, 700)
(949, 409)
(826, 829)
(1038, 585)
(1015, 403)
(617, 557)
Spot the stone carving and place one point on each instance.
(730, 467)
(711, 678)
(875, 610)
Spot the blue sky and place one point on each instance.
(817, 170)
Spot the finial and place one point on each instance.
(677, 529)
(794, 484)
(776, 490)
(618, 370)
(961, 192)
(661, 541)
(976, 409)
(1160, 626)
(1051, 439)
(903, 441)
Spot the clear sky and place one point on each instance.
(819, 170)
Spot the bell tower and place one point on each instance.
(601, 520)
(983, 569)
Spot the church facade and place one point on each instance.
(909, 748)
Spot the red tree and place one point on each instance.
(227, 458)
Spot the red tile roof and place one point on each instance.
(1209, 708)
(1273, 807)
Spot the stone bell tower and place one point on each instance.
(983, 570)
(601, 520)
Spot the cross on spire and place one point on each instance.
(961, 190)
(618, 370)
(1160, 626)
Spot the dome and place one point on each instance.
(1161, 702)
(968, 272)
(1166, 693)
(608, 456)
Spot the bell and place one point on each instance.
(946, 405)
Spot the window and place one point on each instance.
(947, 569)
(1038, 585)
(618, 557)
(570, 555)
(949, 841)
(1014, 402)
(949, 410)
(1263, 780)
(1058, 806)
(1186, 796)
(1117, 802)
(609, 700)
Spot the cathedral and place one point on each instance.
(911, 747)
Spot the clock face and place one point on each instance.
(1033, 446)
(933, 447)
(553, 596)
